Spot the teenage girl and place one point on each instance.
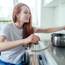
(14, 36)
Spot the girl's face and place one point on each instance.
(24, 15)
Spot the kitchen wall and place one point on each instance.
(59, 16)
(51, 17)
(45, 19)
(46, 16)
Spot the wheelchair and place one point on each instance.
(26, 58)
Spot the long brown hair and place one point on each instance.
(27, 27)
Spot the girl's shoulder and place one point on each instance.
(8, 24)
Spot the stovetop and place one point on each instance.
(58, 53)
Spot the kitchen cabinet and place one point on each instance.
(53, 3)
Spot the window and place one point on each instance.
(6, 7)
(32, 6)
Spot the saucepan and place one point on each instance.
(58, 39)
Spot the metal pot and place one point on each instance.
(58, 39)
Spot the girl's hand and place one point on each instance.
(63, 27)
(31, 39)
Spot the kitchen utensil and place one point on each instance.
(58, 39)
(34, 50)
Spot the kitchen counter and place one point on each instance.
(58, 53)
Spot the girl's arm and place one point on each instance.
(9, 45)
(50, 30)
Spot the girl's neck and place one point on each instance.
(19, 25)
